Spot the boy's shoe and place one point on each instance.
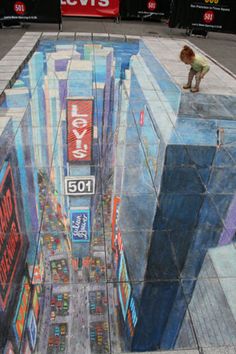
(187, 86)
(194, 89)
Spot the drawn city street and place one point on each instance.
(117, 201)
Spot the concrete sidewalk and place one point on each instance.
(220, 46)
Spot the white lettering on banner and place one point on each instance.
(74, 111)
(79, 122)
(79, 136)
(102, 3)
(69, 2)
(80, 153)
(85, 2)
(79, 226)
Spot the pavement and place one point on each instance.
(220, 46)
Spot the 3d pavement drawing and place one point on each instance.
(117, 199)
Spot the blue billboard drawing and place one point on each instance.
(124, 287)
(80, 225)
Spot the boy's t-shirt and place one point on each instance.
(200, 64)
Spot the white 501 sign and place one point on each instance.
(80, 185)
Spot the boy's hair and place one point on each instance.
(186, 52)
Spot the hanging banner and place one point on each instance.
(79, 129)
(30, 11)
(91, 8)
(213, 15)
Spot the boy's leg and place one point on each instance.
(198, 80)
(190, 79)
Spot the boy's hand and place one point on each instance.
(202, 76)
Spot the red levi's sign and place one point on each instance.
(93, 8)
(79, 129)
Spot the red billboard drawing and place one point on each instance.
(79, 129)
(141, 118)
(93, 8)
(115, 214)
(11, 239)
(35, 304)
(21, 311)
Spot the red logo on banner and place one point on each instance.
(97, 8)
(79, 129)
(19, 8)
(152, 5)
(208, 16)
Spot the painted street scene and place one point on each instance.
(117, 200)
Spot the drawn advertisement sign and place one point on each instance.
(80, 224)
(80, 185)
(21, 311)
(124, 287)
(79, 129)
(32, 329)
(11, 239)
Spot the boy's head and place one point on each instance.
(187, 55)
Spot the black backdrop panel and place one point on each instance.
(30, 11)
(130, 8)
(214, 15)
(208, 15)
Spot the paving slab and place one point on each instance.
(69, 35)
(3, 85)
(49, 35)
(116, 37)
(100, 36)
(132, 38)
(223, 350)
(83, 35)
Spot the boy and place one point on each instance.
(199, 67)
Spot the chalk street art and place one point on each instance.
(117, 206)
